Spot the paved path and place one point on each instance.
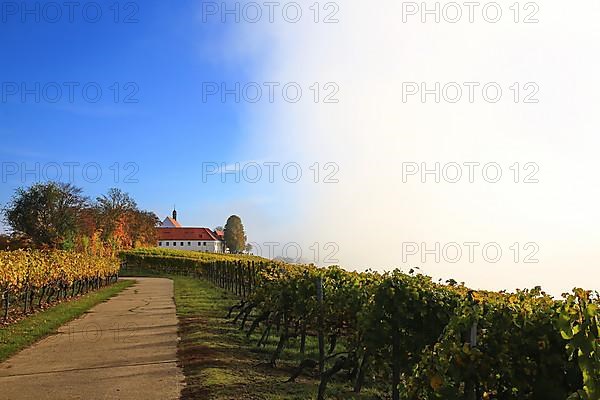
(122, 349)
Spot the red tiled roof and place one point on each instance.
(185, 234)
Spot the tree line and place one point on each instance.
(57, 215)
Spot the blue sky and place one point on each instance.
(161, 61)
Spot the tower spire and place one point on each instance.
(174, 213)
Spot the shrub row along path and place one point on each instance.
(125, 348)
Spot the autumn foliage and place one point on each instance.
(58, 216)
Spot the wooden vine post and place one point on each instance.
(471, 387)
(320, 325)
(6, 299)
(396, 349)
(249, 273)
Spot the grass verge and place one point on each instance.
(16, 337)
(220, 362)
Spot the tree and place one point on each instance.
(235, 238)
(47, 213)
(111, 211)
(141, 227)
(121, 222)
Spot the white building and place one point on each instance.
(172, 235)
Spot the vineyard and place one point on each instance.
(32, 279)
(422, 340)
